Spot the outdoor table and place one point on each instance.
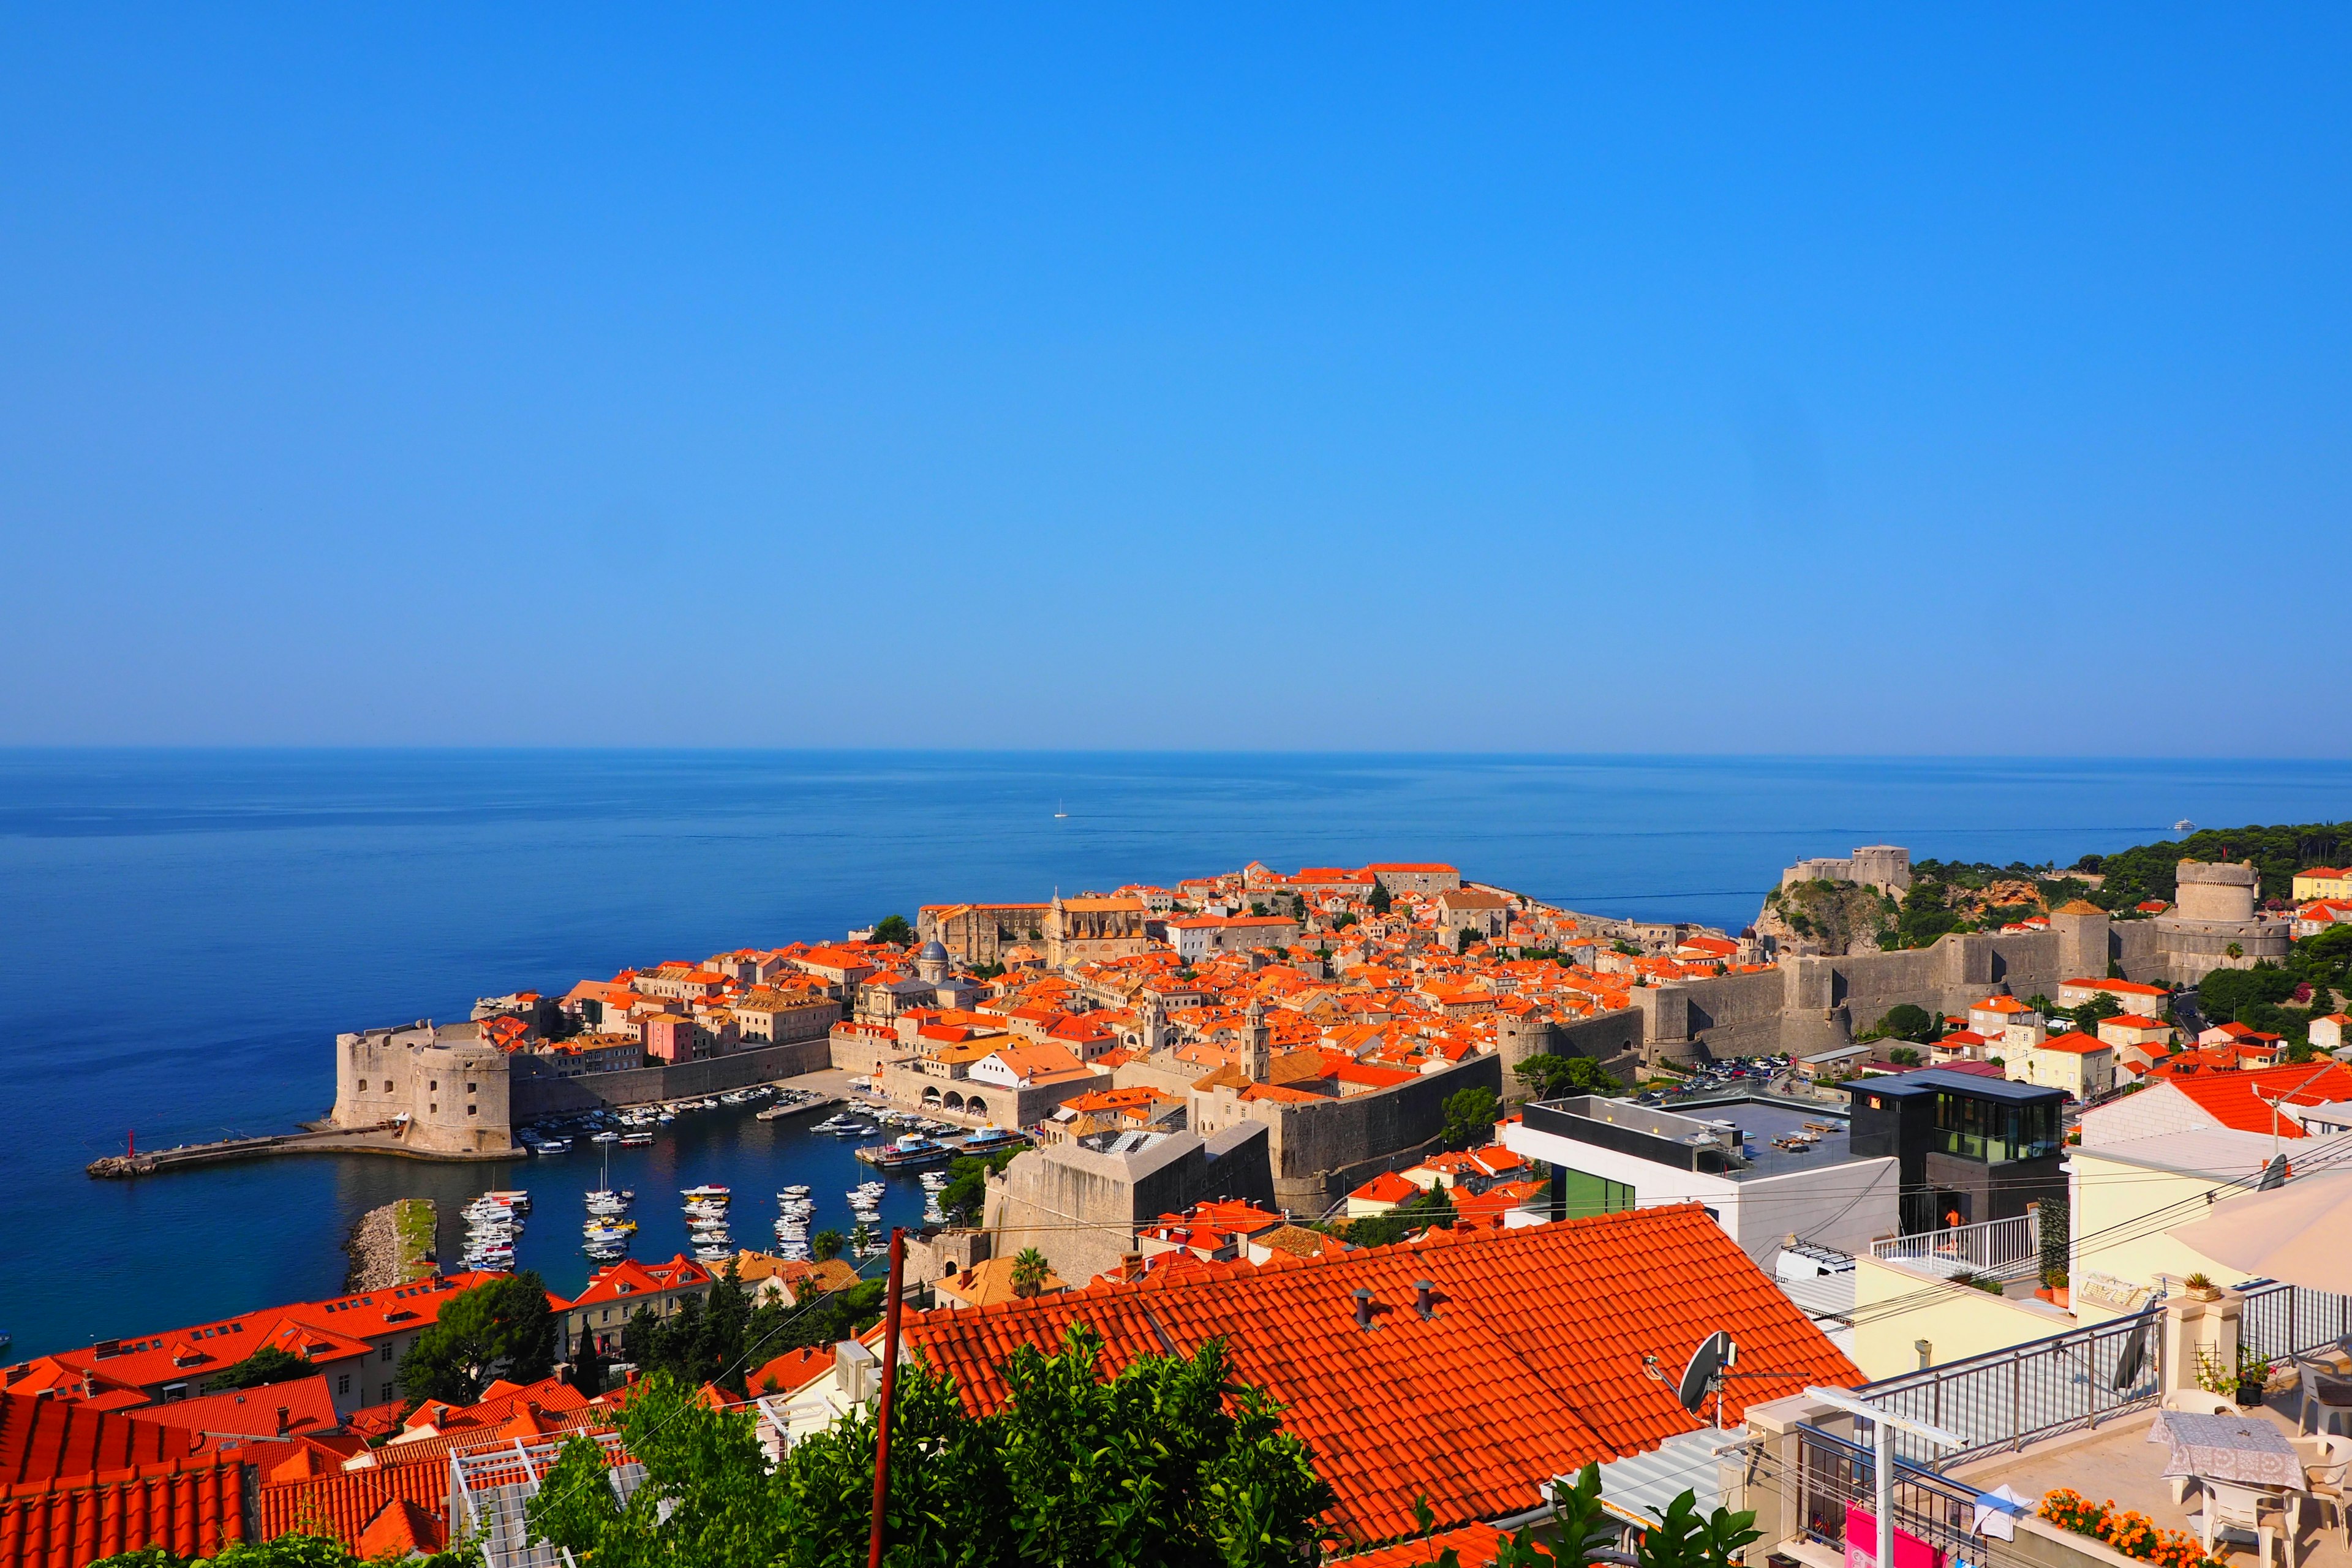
(2246, 1450)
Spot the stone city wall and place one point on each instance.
(534, 1096)
(1080, 1208)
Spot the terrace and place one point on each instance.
(2076, 1411)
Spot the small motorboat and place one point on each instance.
(636, 1139)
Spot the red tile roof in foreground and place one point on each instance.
(1473, 1546)
(2243, 1099)
(78, 1484)
(344, 1505)
(1531, 1367)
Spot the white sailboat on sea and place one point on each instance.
(1058, 811)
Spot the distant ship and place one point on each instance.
(1058, 812)
(2184, 826)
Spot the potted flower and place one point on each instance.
(2200, 1288)
(2054, 1288)
(2254, 1378)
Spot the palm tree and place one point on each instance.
(1029, 1271)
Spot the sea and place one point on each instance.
(185, 931)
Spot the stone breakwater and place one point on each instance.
(392, 1245)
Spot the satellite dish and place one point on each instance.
(2134, 1356)
(1703, 1375)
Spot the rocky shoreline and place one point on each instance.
(392, 1245)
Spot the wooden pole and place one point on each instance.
(889, 1382)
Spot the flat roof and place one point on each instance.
(1935, 1079)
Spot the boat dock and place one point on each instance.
(380, 1139)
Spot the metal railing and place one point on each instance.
(1990, 1245)
(2005, 1399)
(1833, 1472)
(2284, 1320)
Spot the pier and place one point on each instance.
(383, 1138)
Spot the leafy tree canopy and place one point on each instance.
(266, 1365)
(1470, 1117)
(501, 1328)
(1167, 1462)
(894, 929)
(1550, 1077)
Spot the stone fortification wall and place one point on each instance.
(1812, 1004)
(534, 1097)
(1080, 1208)
(1603, 1036)
(1315, 1147)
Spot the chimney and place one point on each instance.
(281, 1420)
(1130, 1266)
(1363, 1308)
(1424, 1298)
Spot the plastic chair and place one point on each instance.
(2327, 1458)
(2321, 1389)
(2229, 1506)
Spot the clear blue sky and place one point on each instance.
(1878, 379)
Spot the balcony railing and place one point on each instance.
(2005, 1399)
(1989, 1246)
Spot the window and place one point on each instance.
(343, 1383)
(387, 1353)
(469, 1110)
(435, 1086)
(363, 1086)
(434, 1105)
(469, 1088)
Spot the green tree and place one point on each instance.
(1379, 901)
(1167, 1462)
(894, 929)
(268, 1365)
(826, 1245)
(1904, 1021)
(1904, 1056)
(1550, 1077)
(2088, 1017)
(1470, 1117)
(967, 1190)
(1431, 1210)
(501, 1328)
(1029, 1271)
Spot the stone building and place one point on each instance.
(1082, 931)
(2214, 912)
(1476, 911)
(1886, 867)
(981, 933)
(1081, 1207)
(1415, 875)
(450, 1087)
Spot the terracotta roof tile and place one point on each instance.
(1530, 1366)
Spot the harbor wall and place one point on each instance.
(533, 1096)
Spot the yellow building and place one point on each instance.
(2323, 882)
(2081, 1066)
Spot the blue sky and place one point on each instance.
(1868, 379)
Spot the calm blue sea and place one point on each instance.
(185, 931)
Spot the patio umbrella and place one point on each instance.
(2295, 1233)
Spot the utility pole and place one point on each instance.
(889, 1382)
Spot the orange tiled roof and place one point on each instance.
(2242, 1100)
(78, 1484)
(1530, 1366)
(344, 1505)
